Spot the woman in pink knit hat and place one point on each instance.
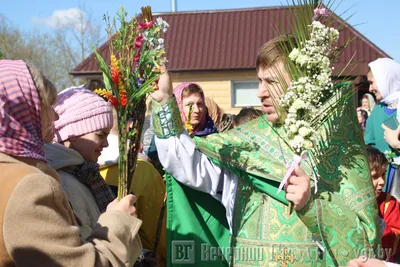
(85, 120)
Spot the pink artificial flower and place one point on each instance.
(320, 12)
(144, 25)
(139, 41)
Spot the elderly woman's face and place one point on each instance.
(199, 108)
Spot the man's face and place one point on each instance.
(270, 89)
(373, 87)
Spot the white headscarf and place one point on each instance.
(386, 72)
(371, 101)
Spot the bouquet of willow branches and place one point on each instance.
(137, 52)
(312, 97)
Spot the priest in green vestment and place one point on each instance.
(223, 205)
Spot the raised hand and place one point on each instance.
(164, 92)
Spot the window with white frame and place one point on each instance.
(244, 94)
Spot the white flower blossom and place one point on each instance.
(299, 104)
(160, 42)
(293, 128)
(396, 161)
(294, 54)
(304, 131)
(305, 94)
(162, 24)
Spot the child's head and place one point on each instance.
(246, 115)
(188, 94)
(85, 122)
(377, 164)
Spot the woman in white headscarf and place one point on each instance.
(384, 79)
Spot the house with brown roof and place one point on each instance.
(217, 49)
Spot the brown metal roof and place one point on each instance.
(230, 39)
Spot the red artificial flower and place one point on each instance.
(113, 100)
(115, 77)
(139, 41)
(123, 99)
(144, 25)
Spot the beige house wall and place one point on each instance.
(216, 84)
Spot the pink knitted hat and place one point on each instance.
(81, 111)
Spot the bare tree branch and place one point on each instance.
(56, 54)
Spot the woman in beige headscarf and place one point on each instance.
(222, 121)
(367, 103)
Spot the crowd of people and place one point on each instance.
(211, 178)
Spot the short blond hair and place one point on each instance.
(275, 50)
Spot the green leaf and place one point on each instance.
(103, 65)
(143, 90)
(106, 81)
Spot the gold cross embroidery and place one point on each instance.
(285, 257)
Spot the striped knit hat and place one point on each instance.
(81, 111)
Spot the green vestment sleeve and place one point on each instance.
(196, 222)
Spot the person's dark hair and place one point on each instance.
(376, 158)
(247, 114)
(364, 114)
(94, 84)
(361, 81)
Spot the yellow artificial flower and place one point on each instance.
(114, 63)
(121, 87)
(188, 126)
(101, 92)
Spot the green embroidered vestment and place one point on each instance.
(341, 216)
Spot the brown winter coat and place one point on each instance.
(38, 227)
